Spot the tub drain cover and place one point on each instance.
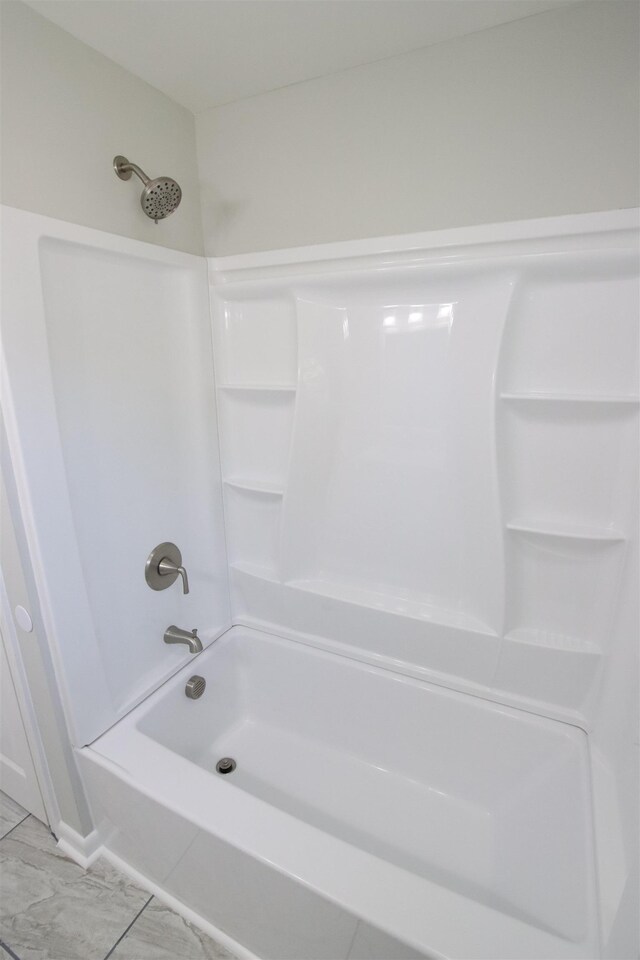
(226, 765)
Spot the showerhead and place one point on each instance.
(160, 197)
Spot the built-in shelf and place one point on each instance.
(533, 397)
(553, 641)
(414, 608)
(260, 387)
(255, 486)
(565, 531)
(254, 570)
(388, 603)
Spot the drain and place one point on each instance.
(195, 687)
(226, 765)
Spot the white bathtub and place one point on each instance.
(364, 806)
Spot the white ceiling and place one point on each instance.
(203, 53)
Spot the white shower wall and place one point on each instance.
(431, 461)
(428, 460)
(115, 452)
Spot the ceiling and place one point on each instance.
(203, 53)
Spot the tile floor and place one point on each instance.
(52, 909)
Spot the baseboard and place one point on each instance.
(82, 850)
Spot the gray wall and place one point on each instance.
(66, 111)
(530, 119)
(533, 118)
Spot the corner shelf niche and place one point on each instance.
(260, 387)
(535, 397)
(545, 639)
(253, 520)
(565, 531)
(255, 436)
(255, 486)
(567, 411)
(257, 370)
(561, 579)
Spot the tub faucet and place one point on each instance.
(174, 634)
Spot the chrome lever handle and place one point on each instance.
(167, 567)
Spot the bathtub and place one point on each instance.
(369, 814)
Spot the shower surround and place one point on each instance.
(428, 471)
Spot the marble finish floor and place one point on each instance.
(52, 909)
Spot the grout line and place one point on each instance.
(353, 938)
(5, 835)
(5, 946)
(123, 935)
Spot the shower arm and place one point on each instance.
(124, 169)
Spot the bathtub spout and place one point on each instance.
(174, 634)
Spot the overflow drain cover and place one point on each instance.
(226, 765)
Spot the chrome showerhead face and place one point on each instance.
(160, 198)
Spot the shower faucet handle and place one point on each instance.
(167, 567)
(164, 566)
